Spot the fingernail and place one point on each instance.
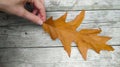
(40, 22)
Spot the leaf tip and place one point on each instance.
(62, 18)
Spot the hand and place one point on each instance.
(16, 7)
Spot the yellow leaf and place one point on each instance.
(85, 38)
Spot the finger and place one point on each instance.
(42, 12)
(42, 1)
(41, 9)
(39, 15)
(35, 11)
(31, 17)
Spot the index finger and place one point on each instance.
(41, 9)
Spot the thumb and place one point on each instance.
(30, 16)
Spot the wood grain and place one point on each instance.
(105, 16)
(24, 44)
(60, 5)
(57, 57)
(18, 32)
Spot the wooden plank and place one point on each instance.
(57, 57)
(104, 16)
(59, 5)
(17, 32)
(63, 64)
(31, 36)
(66, 5)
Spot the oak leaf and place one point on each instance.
(85, 38)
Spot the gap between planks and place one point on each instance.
(40, 47)
(78, 10)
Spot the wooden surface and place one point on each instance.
(57, 57)
(59, 5)
(24, 44)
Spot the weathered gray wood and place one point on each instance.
(52, 5)
(57, 57)
(30, 38)
(104, 16)
(17, 32)
(34, 36)
(64, 64)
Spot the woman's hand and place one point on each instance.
(16, 7)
